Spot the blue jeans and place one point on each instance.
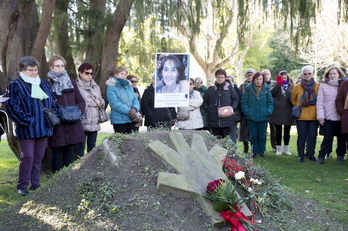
(331, 129)
(258, 135)
(307, 131)
(91, 140)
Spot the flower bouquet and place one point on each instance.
(226, 201)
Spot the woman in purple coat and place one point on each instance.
(65, 136)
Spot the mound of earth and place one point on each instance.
(99, 194)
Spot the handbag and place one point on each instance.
(102, 115)
(296, 111)
(182, 115)
(51, 118)
(69, 114)
(225, 111)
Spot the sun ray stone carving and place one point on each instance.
(195, 167)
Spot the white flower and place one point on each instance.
(239, 175)
(250, 189)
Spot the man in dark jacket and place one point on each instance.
(162, 118)
(220, 95)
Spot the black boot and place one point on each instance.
(246, 146)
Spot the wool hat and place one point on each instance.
(249, 70)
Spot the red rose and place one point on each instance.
(214, 184)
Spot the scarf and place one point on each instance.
(309, 96)
(61, 82)
(334, 83)
(257, 90)
(122, 82)
(36, 91)
(285, 85)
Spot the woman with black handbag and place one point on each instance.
(24, 108)
(95, 104)
(67, 134)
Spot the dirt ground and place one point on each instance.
(97, 195)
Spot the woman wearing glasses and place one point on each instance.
(133, 80)
(65, 136)
(27, 93)
(90, 92)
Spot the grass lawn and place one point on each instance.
(326, 184)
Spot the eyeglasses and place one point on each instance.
(191, 84)
(32, 70)
(200, 82)
(134, 81)
(88, 73)
(59, 65)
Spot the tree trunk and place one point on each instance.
(113, 33)
(63, 43)
(95, 36)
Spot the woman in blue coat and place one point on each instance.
(123, 102)
(257, 106)
(24, 108)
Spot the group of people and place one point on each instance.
(257, 102)
(29, 97)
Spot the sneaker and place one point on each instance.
(253, 155)
(23, 191)
(319, 161)
(328, 156)
(301, 159)
(262, 155)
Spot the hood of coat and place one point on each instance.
(111, 82)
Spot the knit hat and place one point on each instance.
(249, 70)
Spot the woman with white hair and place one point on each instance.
(305, 94)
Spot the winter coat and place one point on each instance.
(26, 112)
(282, 106)
(155, 117)
(121, 97)
(340, 101)
(137, 94)
(307, 113)
(326, 108)
(202, 90)
(243, 127)
(195, 120)
(257, 108)
(90, 117)
(217, 96)
(66, 134)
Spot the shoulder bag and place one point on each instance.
(51, 118)
(102, 115)
(182, 115)
(296, 111)
(69, 114)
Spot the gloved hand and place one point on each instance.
(279, 80)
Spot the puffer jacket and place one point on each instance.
(326, 108)
(258, 109)
(307, 113)
(90, 117)
(26, 112)
(121, 97)
(220, 95)
(282, 106)
(195, 120)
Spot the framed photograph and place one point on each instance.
(172, 80)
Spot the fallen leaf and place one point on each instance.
(318, 180)
(328, 211)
